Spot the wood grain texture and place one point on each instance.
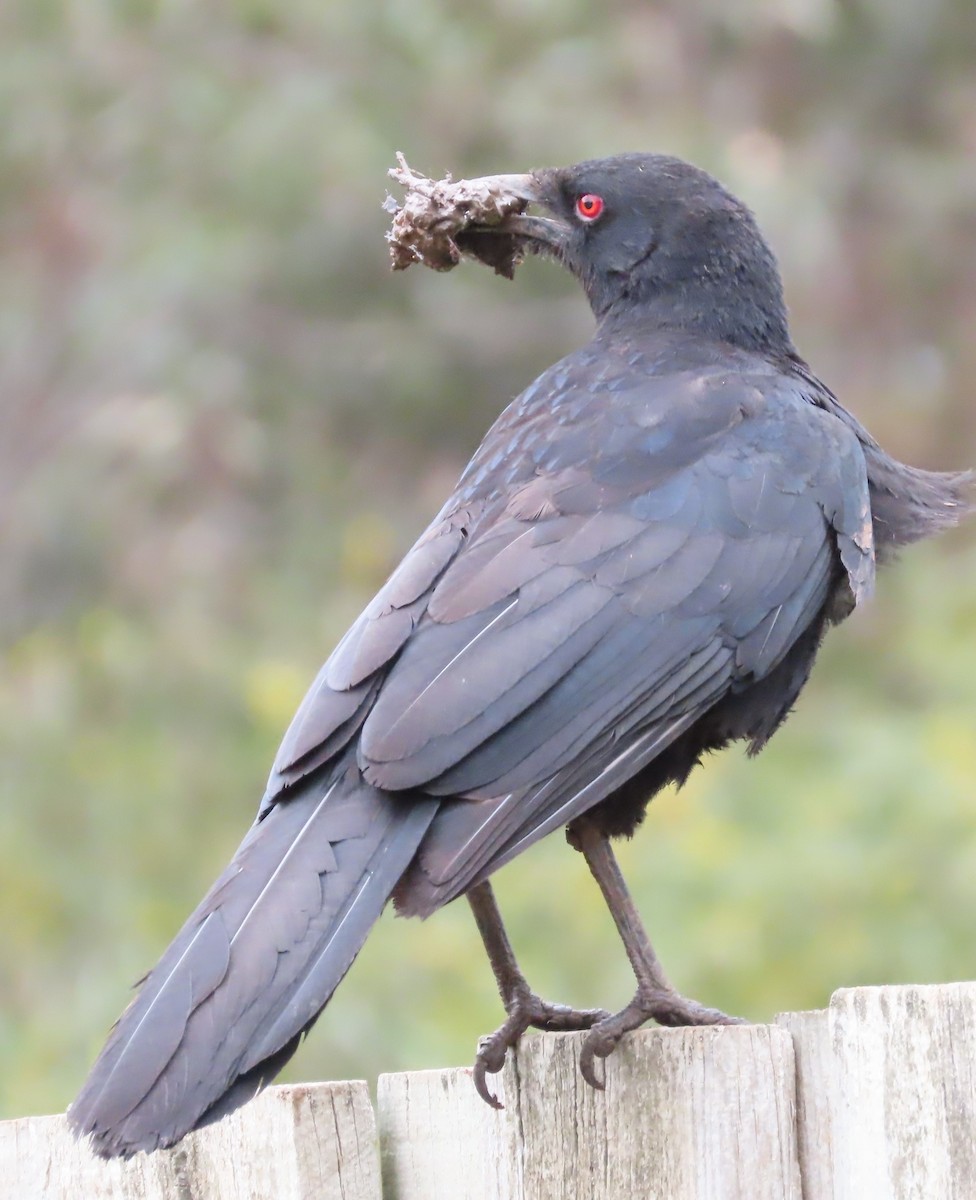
(872, 1099)
(703, 1113)
(814, 1100)
(438, 1138)
(905, 1101)
(292, 1143)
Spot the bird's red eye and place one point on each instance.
(589, 207)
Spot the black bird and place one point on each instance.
(637, 566)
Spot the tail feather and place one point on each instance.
(252, 968)
(909, 504)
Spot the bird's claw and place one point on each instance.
(663, 1006)
(526, 1010)
(489, 1060)
(594, 1048)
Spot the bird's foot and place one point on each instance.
(663, 1005)
(525, 1011)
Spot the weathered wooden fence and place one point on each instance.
(871, 1099)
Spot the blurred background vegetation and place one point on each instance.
(222, 420)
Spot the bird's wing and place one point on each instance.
(345, 689)
(588, 598)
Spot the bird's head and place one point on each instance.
(653, 238)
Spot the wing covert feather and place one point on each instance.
(592, 587)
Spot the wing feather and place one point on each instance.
(585, 598)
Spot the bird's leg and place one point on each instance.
(656, 997)
(524, 1008)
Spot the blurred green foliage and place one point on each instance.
(221, 421)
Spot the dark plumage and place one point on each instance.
(636, 567)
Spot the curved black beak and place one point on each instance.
(534, 232)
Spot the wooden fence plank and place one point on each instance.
(292, 1143)
(687, 1113)
(872, 1099)
(814, 1100)
(905, 1101)
(439, 1138)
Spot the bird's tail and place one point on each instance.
(250, 971)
